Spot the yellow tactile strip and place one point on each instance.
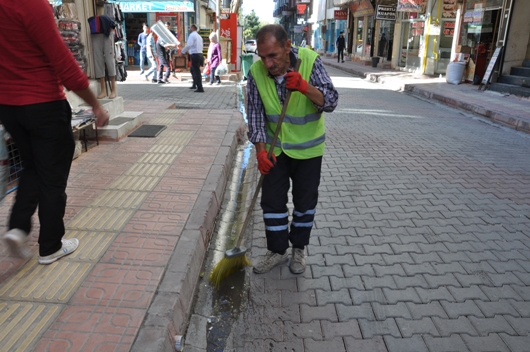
(92, 245)
(158, 158)
(21, 323)
(121, 199)
(135, 183)
(56, 282)
(101, 219)
(139, 169)
(175, 137)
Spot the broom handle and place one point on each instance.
(271, 149)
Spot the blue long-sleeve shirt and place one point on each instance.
(142, 41)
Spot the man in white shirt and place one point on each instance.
(194, 46)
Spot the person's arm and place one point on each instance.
(189, 44)
(256, 116)
(328, 97)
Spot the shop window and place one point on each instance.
(411, 38)
(359, 39)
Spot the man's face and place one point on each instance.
(168, 26)
(275, 57)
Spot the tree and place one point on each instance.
(251, 25)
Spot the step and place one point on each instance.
(526, 63)
(510, 89)
(114, 106)
(516, 80)
(75, 101)
(116, 132)
(520, 71)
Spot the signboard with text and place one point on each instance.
(157, 6)
(340, 14)
(411, 6)
(362, 8)
(387, 13)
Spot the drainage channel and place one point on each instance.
(216, 310)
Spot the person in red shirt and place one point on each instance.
(36, 64)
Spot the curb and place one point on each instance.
(498, 117)
(171, 306)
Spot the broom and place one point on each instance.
(236, 259)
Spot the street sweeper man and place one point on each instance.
(298, 152)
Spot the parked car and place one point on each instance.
(251, 46)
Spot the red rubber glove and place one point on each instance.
(264, 164)
(294, 81)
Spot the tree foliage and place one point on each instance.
(251, 25)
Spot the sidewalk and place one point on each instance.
(143, 210)
(509, 111)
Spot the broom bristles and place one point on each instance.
(226, 267)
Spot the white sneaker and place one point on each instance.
(16, 239)
(271, 260)
(69, 246)
(297, 265)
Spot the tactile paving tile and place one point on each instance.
(166, 149)
(92, 245)
(121, 199)
(142, 169)
(157, 158)
(135, 183)
(54, 283)
(22, 324)
(164, 120)
(100, 219)
(175, 137)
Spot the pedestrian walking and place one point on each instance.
(173, 51)
(151, 56)
(341, 45)
(214, 57)
(38, 118)
(142, 42)
(194, 46)
(163, 49)
(298, 153)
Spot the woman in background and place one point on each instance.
(214, 57)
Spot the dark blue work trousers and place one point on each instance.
(305, 177)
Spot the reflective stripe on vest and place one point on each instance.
(302, 134)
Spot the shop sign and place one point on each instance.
(362, 8)
(485, 4)
(449, 9)
(298, 29)
(301, 9)
(411, 6)
(417, 28)
(473, 16)
(449, 29)
(156, 6)
(434, 29)
(303, 1)
(387, 13)
(340, 14)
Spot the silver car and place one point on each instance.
(251, 46)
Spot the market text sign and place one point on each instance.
(411, 6)
(341, 14)
(157, 6)
(363, 8)
(387, 13)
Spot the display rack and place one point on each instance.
(205, 34)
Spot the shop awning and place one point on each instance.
(156, 6)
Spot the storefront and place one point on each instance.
(362, 30)
(411, 40)
(137, 13)
(385, 15)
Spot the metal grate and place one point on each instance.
(15, 166)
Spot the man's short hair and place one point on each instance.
(193, 26)
(168, 24)
(276, 30)
(145, 25)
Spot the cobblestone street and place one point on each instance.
(421, 241)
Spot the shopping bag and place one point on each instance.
(221, 69)
(206, 70)
(4, 165)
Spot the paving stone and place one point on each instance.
(305, 297)
(387, 238)
(370, 329)
(516, 343)
(453, 343)
(508, 266)
(369, 259)
(491, 343)
(436, 294)
(361, 311)
(397, 259)
(501, 307)
(305, 284)
(271, 285)
(521, 325)
(504, 292)
(352, 271)
(449, 268)
(378, 282)
(272, 314)
(436, 281)
(498, 324)
(476, 257)
(523, 308)
(294, 344)
(384, 311)
(425, 258)
(331, 260)
(463, 294)
(456, 309)
(362, 296)
(410, 281)
(336, 345)
(406, 295)
(447, 327)
(378, 249)
(350, 328)
(395, 269)
(472, 268)
(410, 328)
(338, 283)
(423, 268)
(324, 271)
(303, 330)
(341, 296)
(523, 291)
(310, 313)
(314, 249)
(405, 248)
(412, 344)
(352, 249)
(375, 344)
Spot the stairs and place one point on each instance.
(516, 83)
(121, 122)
